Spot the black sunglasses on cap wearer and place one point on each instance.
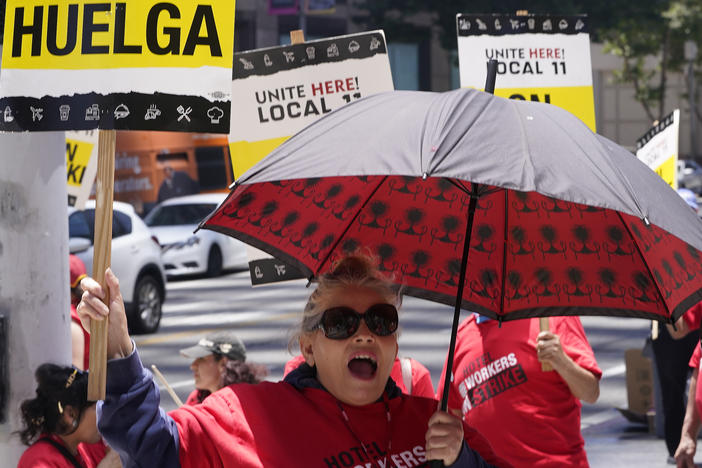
(339, 323)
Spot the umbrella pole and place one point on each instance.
(457, 308)
(459, 296)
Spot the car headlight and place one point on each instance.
(191, 241)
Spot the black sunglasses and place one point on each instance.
(339, 323)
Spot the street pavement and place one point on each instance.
(263, 316)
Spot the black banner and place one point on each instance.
(118, 111)
(664, 123)
(272, 270)
(500, 24)
(263, 62)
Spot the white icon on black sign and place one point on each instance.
(354, 46)
(152, 112)
(531, 23)
(7, 115)
(310, 52)
(247, 65)
(289, 56)
(514, 24)
(463, 24)
(267, 60)
(184, 113)
(498, 24)
(279, 269)
(215, 113)
(332, 50)
(92, 112)
(64, 111)
(257, 272)
(121, 111)
(481, 24)
(579, 25)
(562, 24)
(547, 25)
(37, 113)
(375, 43)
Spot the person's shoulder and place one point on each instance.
(40, 455)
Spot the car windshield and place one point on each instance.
(173, 215)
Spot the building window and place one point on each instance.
(404, 64)
(211, 167)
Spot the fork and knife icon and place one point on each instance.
(184, 112)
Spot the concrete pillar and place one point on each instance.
(34, 282)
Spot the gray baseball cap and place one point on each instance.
(225, 343)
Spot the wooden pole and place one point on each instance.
(297, 36)
(170, 390)
(102, 251)
(543, 325)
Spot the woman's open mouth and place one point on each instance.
(363, 366)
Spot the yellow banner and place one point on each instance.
(82, 34)
(667, 171)
(245, 154)
(77, 158)
(578, 100)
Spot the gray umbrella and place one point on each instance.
(509, 208)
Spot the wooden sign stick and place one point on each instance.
(543, 325)
(102, 251)
(169, 389)
(297, 36)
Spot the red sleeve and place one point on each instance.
(480, 444)
(695, 358)
(574, 341)
(693, 316)
(293, 364)
(421, 380)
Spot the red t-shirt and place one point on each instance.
(695, 364)
(693, 316)
(232, 427)
(530, 417)
(86, 338)
(421, 378)
(42, 454)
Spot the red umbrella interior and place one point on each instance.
(530, 255)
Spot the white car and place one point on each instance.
(185, 253)
(136, 260)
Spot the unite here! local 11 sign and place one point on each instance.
(138, 65)
(543, 58)
(281, 90)
(658, 148)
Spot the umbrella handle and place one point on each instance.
(543, 325)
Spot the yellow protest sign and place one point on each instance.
(280, 90)
(658, 148)
(543, 58)
(81, 165)
(139, 65)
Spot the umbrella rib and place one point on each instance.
(643, 260)
(348, 226)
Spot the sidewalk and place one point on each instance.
(616, 442)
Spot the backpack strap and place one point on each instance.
(406, 364)
(64, 451)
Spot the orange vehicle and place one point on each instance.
(153, 166)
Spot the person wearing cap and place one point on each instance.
(219, 359)
(80, 338)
